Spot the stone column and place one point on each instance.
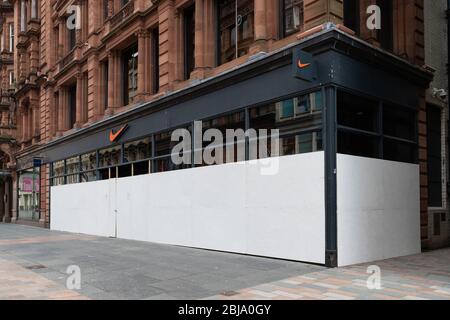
(199, 35)
(61, 40)
(79, 104)
(8, 200)
(12, 197)
(143, 64)
(2, 199)
(111, 83)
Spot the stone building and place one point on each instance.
(436, 57)
(139, 64)
(7, 110)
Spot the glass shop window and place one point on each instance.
(58, 173)
(434, 153)
(163, 150)
(357, 112)
(73, 170)
(234, 149)
(358, 144)
(108, 159)
(292, 117)
(138, 150)
(359, 129)
(399, 122)
(88, 166)
(235, 42)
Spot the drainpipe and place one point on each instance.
(448, 71)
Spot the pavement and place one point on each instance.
(34, 264)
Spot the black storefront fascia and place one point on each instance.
(342, 61)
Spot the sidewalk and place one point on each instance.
(420, 277)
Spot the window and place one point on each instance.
(11, 37)
(235, 41)
(138, 153)
(29, 194)
(386, 34)
(108, 160)
(352, 15)
(58, 173)
(72, 39)
(155, 60)
(12, 80)
(73, 170)
(88, 166)
(436, 224)
(105, 10)
(189, 41)
(105, 82)
(398, 122)
(357, 112)
(434, 145)
(34, 9)
(291, 16)
(367, 128)
(130, 73)
(72, 104)
(137, 150)
(163, 151)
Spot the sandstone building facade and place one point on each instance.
(60, 83)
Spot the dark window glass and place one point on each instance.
(105, 9)
(437, 224)
(227, 28)
(386, 33)
(352, 15)
(166, 164)
(358, 144)
(130, 73)
(399, 123)
(124, 171)
(105, 67)
(357, 112)
(73, 169)
(140, 168)
(104, 174)
(434, 146)
(399, 151)
(155, 59)
(72, 106)
(293, 114)
(189, 41)
(292, 11)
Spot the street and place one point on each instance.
(34, 264)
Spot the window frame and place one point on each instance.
(379, 133)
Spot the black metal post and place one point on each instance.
(330, 132)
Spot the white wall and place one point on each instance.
(83, 208)
(378, 209)
(228, 207)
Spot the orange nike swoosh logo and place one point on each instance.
(114, 136)
(302, 65)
